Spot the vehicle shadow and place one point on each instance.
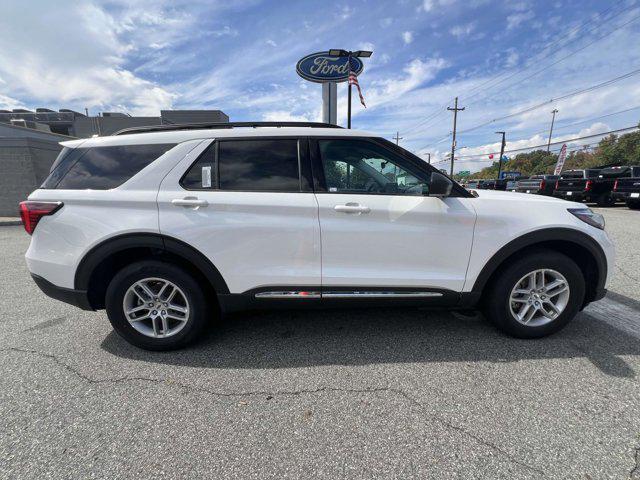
(294, 339)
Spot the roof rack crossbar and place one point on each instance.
(207, 126)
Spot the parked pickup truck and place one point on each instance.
(540, 184)
(628, 189)
(582, 186)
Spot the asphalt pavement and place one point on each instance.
(339, 394)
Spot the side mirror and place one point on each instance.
(439, 186)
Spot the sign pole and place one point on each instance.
(330, 102)
(349, 100)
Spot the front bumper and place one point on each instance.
(77, 298)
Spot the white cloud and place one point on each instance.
(386, 22)
(224, 31)
(429, 5)
(83, 66)
(512, 58)
(407, 37)
(461, 31)
(288, 116)
(516, 19)
(271, 42)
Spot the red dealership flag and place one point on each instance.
(353, 80)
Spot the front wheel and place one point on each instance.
(156, 306)
(633, 204)
(536, 295)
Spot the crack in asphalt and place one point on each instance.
(627, 274)
(636, 465)
(192, 388)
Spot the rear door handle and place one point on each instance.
(192, 202)
(352, 208)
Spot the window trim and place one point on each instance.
(304, 168)
(408, 162)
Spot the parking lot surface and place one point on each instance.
(338, 394)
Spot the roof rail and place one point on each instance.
(207, 126)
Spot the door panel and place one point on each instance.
(378, 226)
(401, 241)
(255, 239)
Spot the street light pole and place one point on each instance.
(501, 153)
(554, 111)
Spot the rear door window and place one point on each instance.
(102, 168)
(261, 165)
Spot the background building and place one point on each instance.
(29, 142)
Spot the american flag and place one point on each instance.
(353, 80)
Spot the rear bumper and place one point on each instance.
(573, 196)
(77, 298)
(622, 196)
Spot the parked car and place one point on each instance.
(493, 184)
(538, 184)
(472, 184)
(628, 189)
(167, 227)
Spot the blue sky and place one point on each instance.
(499, 57)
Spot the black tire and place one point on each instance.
(199, 310)
(605, 200)
(497, 295)
(633, 204)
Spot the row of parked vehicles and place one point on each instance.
(604, 186)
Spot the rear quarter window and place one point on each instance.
(102, 168)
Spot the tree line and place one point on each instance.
(613, 149)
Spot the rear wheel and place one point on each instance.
(536, 295)
(156, 306)
(633, 204)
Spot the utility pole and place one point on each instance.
(554, 111)
(397, 138)
(501, 153)
(429, 158)
(455, 111)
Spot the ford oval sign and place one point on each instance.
(320, 67)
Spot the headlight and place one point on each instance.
(588, 216)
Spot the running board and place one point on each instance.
(346, 294)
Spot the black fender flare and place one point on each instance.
(110, 246)
(567, 235)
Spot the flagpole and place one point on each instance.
(349, 99)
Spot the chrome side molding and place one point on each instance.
(347, 294)
(289, 294)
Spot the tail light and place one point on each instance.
(557, 182)
(32, 211)
(588, 185)
(615, 185)
(542, 185)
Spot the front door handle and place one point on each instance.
(192, 202)
(352, 208)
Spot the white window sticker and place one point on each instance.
(206, 177)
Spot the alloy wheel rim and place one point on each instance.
(156, 307)
(539, 297)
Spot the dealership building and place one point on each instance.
(29, 142)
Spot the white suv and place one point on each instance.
(167, 227)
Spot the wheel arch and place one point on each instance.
(103, 260)
(578, 246)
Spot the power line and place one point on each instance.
(561, 58)
(635, 127)
(591, 88)
(441, 109)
